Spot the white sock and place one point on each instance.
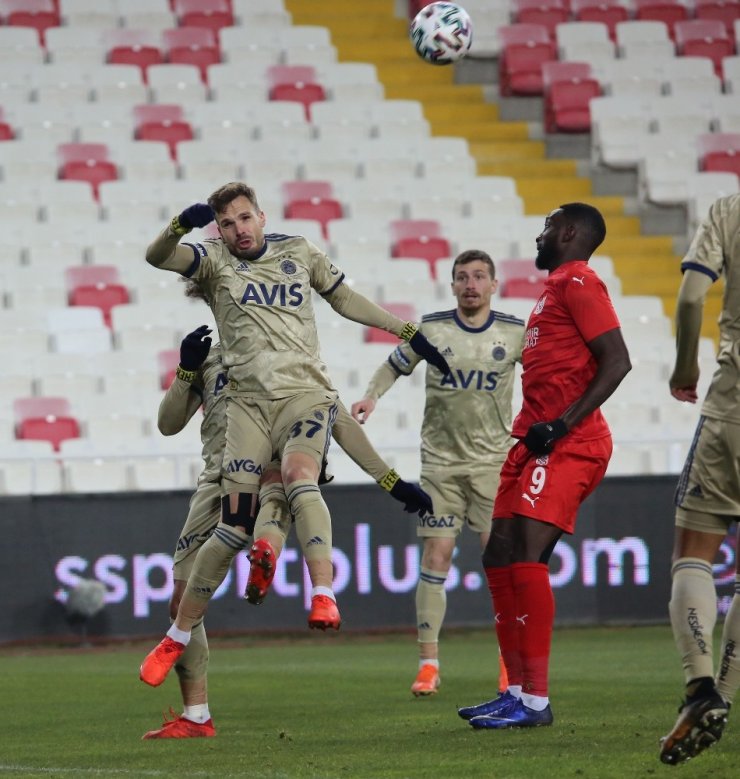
(515, 690)
(323, 591)
(535, 702)
(428, 661)
(197, 713)
(181, 636)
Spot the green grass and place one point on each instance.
(340, 706)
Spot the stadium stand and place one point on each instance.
(74, 95)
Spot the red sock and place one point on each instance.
(535, 613)
(504, 609)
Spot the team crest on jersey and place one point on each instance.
(543, 459)
(319, 415)
(242, 266)
(540, 305)
(498, 353)
(288, 267)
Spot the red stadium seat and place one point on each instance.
(133, 47)
(510, 269)
(167, 362)
(297, 83)
(212, 14)
(567, 105)
(192, 46)
(45, 419)
(704, 38)
(304, 190)
(727, 11)
(414, 228)
(6, 132)
(430, 249)
(405, 311)
(38, 14)
(667, 11)
(102, 296)
(608, 12)
(79, 275)
(529, 287)
(163, 122)
(525, 47)
(548, 13)
(323, 210)
(719, 152)
(86, 162)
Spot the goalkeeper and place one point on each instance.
(280, 399)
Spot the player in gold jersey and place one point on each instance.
(464, 435)
(708, 492)
(279, 400)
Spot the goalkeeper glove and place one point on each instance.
(197, 215)
(415, 500)
(194, 348)
(424, 348)
(541, 436)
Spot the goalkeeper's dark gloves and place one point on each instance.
(414, 499)
(194, 348)
(424, 348)
(197, 215)
(541, 436)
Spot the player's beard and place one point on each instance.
(545, 257)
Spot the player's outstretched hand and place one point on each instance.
(362, 409)
(424, 348)
(414, 499)
(197, 215)
(194, 348)
(541, 436)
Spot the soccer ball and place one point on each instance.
(441, 33)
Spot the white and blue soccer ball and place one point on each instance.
(441, 33)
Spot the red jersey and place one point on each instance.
(558, 366)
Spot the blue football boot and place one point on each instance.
(518, 716)
(497, 706)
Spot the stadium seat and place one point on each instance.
(568, 88)
(719, 152)
(295, 83)
(39, 15)
(523, 287)
(212, 14)
(93, 475)
(128, 46)
(306, 44)
(608, 12)
(727, 11)
(405, 311)
(692, 77)
(88, 162)
(548, 13)
(192, 46)
(171, 83)
(667, 11)
(46, 419)
(29, 468)
(21, 46)
(643, 37)
(704, 38)
(165, 123)
(524, 48)
(100, 295)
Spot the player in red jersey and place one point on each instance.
(574, 358)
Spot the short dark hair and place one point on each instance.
(231, 191)
(471, 255)
(589, 219)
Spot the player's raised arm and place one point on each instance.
(185, 395)
(165, 252)
(351, 437)
(352, 305)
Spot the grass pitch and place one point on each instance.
(339, 706)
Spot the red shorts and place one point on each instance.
(551, 487)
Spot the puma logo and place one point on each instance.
(522, 619)
(580, 281)
(530, 499)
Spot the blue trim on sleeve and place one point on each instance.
(331, 289)
(701, 268)
(196, 261)
(398, 370)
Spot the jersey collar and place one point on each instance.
(468, 329)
